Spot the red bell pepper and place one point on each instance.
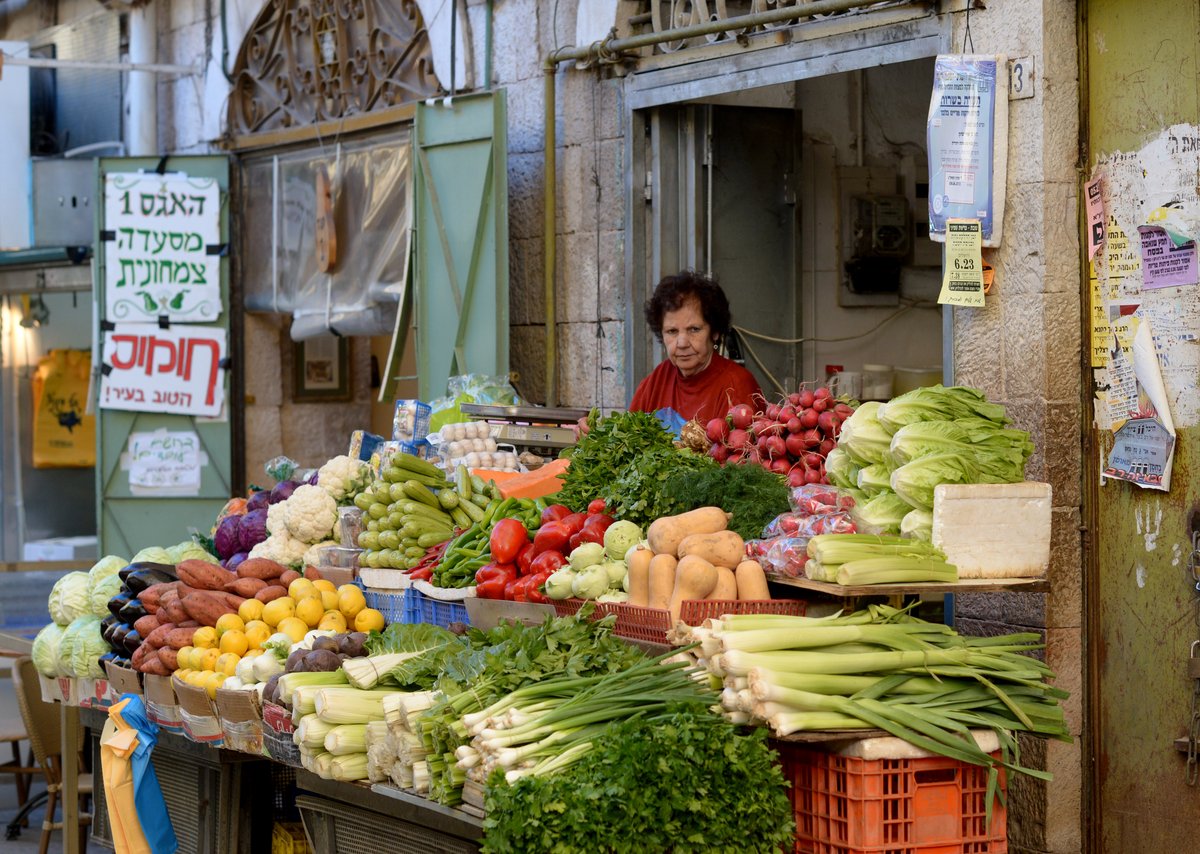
(597, 505)
(534, 591)
(492, 579)
(555, 513)
(551, 537)
(423, 573)
(517, 590)
(506, 540)
(547, 563)
(574, 522)
(524, 558)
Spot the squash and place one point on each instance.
(638, 560)
(724, 548)
(726, 586)
(665, 534)
(695, 578)
(751, 581)
(662, 581)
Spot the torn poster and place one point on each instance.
(1164, 263)
(1101, 330)
(1144, 434)
(1095, 216)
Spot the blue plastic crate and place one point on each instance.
(390, 603)
(419, 608)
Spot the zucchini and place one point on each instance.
(414, 530)
(420, 492)
(448, 498)
(426, 541)
(481, 500)
(472, 509)
(477, 484)
(416, 465)
(462, 481)
(460, 517)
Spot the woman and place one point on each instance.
(689, 314)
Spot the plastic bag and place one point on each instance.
(470, 388)
(814, 499)
(786, 555)
(281, 468)
(796, 524)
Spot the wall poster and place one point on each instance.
(145, 368)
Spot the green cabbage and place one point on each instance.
(875, 479)
(620, 537)
(152, 554)
(917, 525)
(938, 403)
(81, 648)
(881, 515)
(106, 566)
(69, 598)
(841, 470)
(101, 592)
(863, 437)
(45, 651)
(914, 482)
(190, 550)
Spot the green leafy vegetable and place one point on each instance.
(914, 482)
(938, 403)
(752, 494)
(429, 646)
(602, 454)
(637, 495)
(881, 515)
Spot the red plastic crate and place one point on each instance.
(848, 805)
(636, 623)
(696, 611)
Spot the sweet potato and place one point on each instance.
(312, 573)
(260, 567)
(269, 594)
(174, 612)
(139, 655)
(187, 624)
(158, 637)
(206, 608)
(150, 609)
(153, 665)
(203, 575)
(145, 625)
(169, 658)
(179, 637)
(246, 587)
(288, 577)
(152, 595)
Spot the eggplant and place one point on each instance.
(133, 611)
(118, 602)
(107, 625)
(116, 638)
(110, 656)
(132, 641)
(146, 574)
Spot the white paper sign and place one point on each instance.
(165, 462)
(176, 370)
(161, 235)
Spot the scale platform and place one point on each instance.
(529, 426)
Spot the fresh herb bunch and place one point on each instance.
(606, 450)
(683, 782)
(752, 494)
(637, 495)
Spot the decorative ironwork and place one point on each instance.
(309, 61)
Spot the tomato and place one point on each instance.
(596, 506)
(551, 537)
(555, 512)
(547, 563)
(574, 522)
(506, 540)
(524, 556)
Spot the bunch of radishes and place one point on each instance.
(791, 437)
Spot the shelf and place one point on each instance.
(966, 585)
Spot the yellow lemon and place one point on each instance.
(229, 622)
(209, 660)
(212, 683)
(329, 599)
(278, 610)
(324, 585)
(234, 641)
(294, 628)
(332, 621)
(204, 637)
(368, 620)
(184, 657)
(299, 587)
(250, 610)
(350, 600)
(196, 659)
(309, 610)
(227, 663)
(257, 633)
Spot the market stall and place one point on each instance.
(429, 646)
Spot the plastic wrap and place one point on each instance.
(814, 499)
(800, 525)
(470, 388)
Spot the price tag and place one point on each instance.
(962, 279)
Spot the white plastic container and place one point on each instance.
(877, 382)
(906, 379)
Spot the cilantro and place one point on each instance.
(752, 494)
(601, 455)
(637, 495)
(679, 784)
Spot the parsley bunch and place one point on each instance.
(606, 450)
(637, 495)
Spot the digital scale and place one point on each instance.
(538, 429)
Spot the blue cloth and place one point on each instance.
(148, 796)
(671, 420)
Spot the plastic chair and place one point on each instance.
(43, 723)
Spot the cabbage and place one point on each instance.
(252, 530)
(914, 482)
(258, 500)
(863, 437)
(283, 491)
(1001, 462)
(152, 554)
(234, 562)
(45, 651)
(917, 525)
(938, 403)
(558, 585)
(69, 598)
(81, 648)
(192, 550)
(875, 479)
(101, 592)
(841, 470)
(592, 583)
(620, 537)
(106, 566)
(881, 515)
(226, 537)
(585, 555)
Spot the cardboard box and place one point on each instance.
(124, 680)
(95, 693)
(994, 530)
(52, 688)
(241, 720)
(161, 704)
(198, 714)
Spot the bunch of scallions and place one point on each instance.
(882, 668)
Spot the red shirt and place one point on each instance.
(703, 396)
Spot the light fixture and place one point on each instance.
(34, 311)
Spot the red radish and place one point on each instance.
(716, 430)
(718, 452)
(741, 416)
(806, 399)
(826, 421)
(772, 412)
(826, 446)
(812, 460)
(738, 439)
(810, 438)
(795, 477)
(794, 444)
(775, 447)
(809, 417)
(843, 411)
(822, 394)
(780, 466)
(794, 399)
(787, 413)
(820, 404)
(824, 479)
(795, 425)
(812, 476)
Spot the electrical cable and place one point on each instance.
(743, 332)
(750, 352)
(968, 42)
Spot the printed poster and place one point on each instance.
(1101, 333)
(165, 462)
(161, 248)
(1166, 264)
(962, 280)
(178, 370)
(1095, 216)
(1143, 431)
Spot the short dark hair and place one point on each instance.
(672, 292)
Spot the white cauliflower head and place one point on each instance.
(343, 477)
(310, 514)
(281, 548)
(275, 514)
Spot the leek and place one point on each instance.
(346, 738)
(891, 570)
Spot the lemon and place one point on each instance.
(332, 621)
(229, 622)
(257, 633)
(227, 663)
(212, 683)
(250, 610)
(350, 600)
(234, 641)
(329, 599)
(324, 585)
(184, 658)
(209, 660)
(310, 610)
(204, 637)
(294, 628)
(299, 587)
(368, 620)
(278, 610)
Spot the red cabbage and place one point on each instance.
(234, 562)
(258, 500)
(312, 478)
(226, 538)
(283, 491)
(253, 530)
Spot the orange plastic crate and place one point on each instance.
(696, 611)
(847, 805)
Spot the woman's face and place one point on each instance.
(687, 338)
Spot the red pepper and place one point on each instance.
(555, 512)
(524, 558)
(547, 563)
(492, 579)
(421, 573)
(596, 506)
(551, 537)
(534, 591)
(515, 590)
(574, 542)
(592, 534)
(574, 522)
(604, 518)
(506, 540)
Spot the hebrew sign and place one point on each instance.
(178, 370)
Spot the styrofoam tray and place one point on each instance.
(445, 594)
(384, 579)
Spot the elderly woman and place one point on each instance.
(689, 314)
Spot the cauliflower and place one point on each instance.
(310, 515)
(275, 514)
(343, 477)
(311, 556)
(281, 548)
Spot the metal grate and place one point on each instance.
(188, 801)
(337, 829)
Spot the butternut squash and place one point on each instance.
(751, 581)
(726, 586)
(695, 578)
(665, 534)
(638, 560)
(662, 581)
(724, 548)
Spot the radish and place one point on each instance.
(822, 394)
(773, 412)
(780, 466)
(794, 444)
(810, 438)
(812, 461)
(812, 476)
(794, 399)
(826, 446)
(820, 404)
(738, 440)
(742, 416)
(716, 430)
(843, 411)
(806, 399)
(826, 421)
(786, 413)
(718, 452)
(775, 447)
(795, 425)
(795, 477)
(809, 417)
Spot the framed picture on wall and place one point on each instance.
(321, 369)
